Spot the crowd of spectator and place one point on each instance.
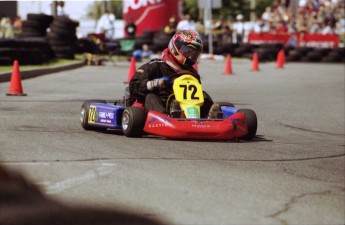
(311, 16)
(10, 28)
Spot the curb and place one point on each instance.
(5, 77)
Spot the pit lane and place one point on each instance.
(292, 172)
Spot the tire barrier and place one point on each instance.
(36, 25)
(160, 40)
(62, 37)
(28, 51)
(145, 38)
(36, 46)
(306, 54)
(84, 45)
(269, 53)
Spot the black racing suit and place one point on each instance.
(157, 99)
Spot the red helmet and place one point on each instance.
(186, 47)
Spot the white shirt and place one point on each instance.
(238, 27)
(105, 23)
(186, 25)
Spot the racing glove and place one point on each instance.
(158, 84)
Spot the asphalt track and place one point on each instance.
(291, 173)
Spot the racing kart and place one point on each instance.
(185, 123)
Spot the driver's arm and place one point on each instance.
(138, 83)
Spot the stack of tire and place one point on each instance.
(221, 49)
(145, 38)
(62, 37)
(243, 50)
(268, 52)
(36, 25)
(160, 40)
(8, 51)
(28, 51)
(308, 54)
(335, 55)
(34, 51)
(31, 47)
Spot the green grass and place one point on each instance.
(52, 63)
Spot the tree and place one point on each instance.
(191, 7)
(96, 10)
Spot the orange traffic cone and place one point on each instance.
(132, 69)
(283, 56)
(255, 62)
(16, 88)
(280, 59)
(228, 67)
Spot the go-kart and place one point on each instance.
(185, 123)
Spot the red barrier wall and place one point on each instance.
(302, 40)
(151, 14)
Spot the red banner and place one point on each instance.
(302, 40)
(151, 14)
(318, 40)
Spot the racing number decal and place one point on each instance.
(92, 114)
(192, 88)
(188, 90)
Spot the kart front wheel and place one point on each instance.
(84, 115)
(133, 121)
(251, 121)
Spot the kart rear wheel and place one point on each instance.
(133, 121)
(251, 121)
(84, 115)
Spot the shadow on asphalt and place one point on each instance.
(23, 203)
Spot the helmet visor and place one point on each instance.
(191, 52)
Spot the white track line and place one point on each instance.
(72, 182)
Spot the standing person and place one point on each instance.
(144, 52)
(106, 24)
(151, 85)
(6, 27)
(200, 29)
(171, 27)
(131, 28)
(186, 24)
(17, 26)
(60, 8)
(238, 27)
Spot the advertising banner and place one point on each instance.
(151, 14)
(301, 40)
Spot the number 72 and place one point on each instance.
(188, 88)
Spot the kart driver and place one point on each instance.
(151, 84)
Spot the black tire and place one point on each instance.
(12, 53)
(4, 61)
(133, 121)
(140, 41)
(43, 18)
(28, 32)
(33, 24)
(84, 115)
(66, 20)
(8, 43)
(161, 42)
(252, 123)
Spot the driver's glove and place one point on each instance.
(158, 84)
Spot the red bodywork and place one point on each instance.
(222, 129)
